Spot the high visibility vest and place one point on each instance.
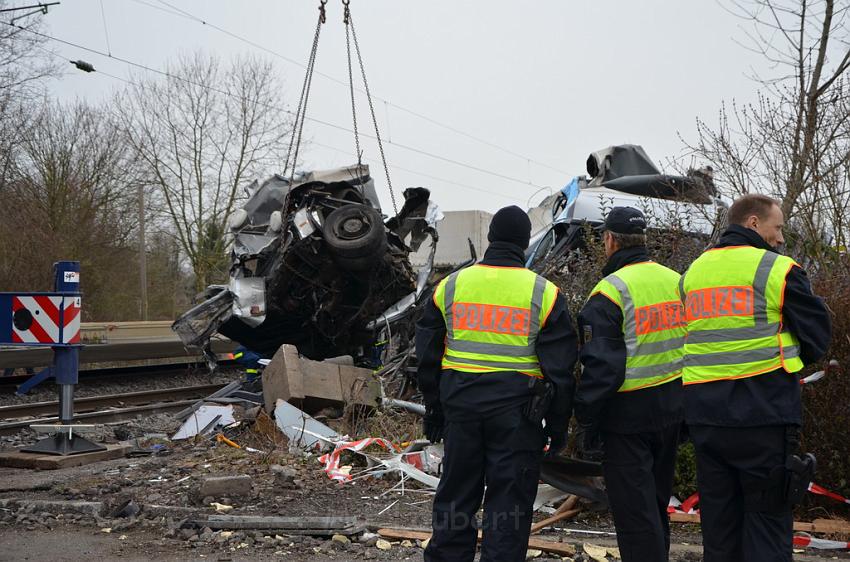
(493, 316)
(733, 308)
(653, 322)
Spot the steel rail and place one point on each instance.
(9, 384)
(91, 403)
(107, 416)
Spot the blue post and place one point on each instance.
(65, 369)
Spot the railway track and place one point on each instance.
(105, 409)
(9, 384)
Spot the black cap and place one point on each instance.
(510, 224)
(624, 220)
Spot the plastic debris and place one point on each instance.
(205, 419)
(808, 541)
(222, 439)
(220, 507)
(302, 430)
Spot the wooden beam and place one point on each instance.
(561, 548)
(537, 527)
(837, 526)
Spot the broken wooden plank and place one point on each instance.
(561, 548)
(537, 527)
(20, 459)
(834, 526)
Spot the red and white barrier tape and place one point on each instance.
(331, 460)
(821, 491)
(801, 539)
(807, 541)
(688, 506)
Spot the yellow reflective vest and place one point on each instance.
(493, 316)
(653, 322)
(733, 308)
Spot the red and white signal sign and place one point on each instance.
(42, 319)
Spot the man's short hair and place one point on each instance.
(752, 204)
(625, 241)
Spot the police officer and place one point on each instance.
(752, 324)
(494, 335)
(629, 399)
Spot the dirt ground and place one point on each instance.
(38, 520)
(69, 514)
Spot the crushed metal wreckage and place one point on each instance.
(315, 265)
(622, 175)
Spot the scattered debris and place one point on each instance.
(598, 553)
(383, 544)
(225, 486)
(127, 509)
(303, 431)
(312, 385)
(220, 507)
(204, 420)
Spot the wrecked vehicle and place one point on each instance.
(313, 264)
(624, 175)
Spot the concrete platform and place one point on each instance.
(19, 459)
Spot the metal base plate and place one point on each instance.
(63, 444)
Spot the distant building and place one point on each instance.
(454, 230)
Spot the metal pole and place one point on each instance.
(143, 259)
(66, 403)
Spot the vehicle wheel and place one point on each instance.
(355, 231)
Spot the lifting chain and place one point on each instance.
(301, 112)
(347, 19)
(349, 23)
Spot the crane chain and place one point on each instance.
(349, 21)
(301, 112)
(346, 19)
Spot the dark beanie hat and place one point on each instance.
(510, 224)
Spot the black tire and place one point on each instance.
(354, 232)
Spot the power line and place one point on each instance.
(423, 174)
(278, 108)
(174, 10)
(328, 147)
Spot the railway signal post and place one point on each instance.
(51, 320)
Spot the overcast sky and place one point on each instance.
(549, 81)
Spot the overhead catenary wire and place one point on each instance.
(336, 149)
(175, 10)
(278, 108)
(426, 175)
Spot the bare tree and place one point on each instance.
(69, 196)
(794, 142)
(24, 64)
(201, 133)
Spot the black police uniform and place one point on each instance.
(743, 430)
(638, 430)
(488, 440)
